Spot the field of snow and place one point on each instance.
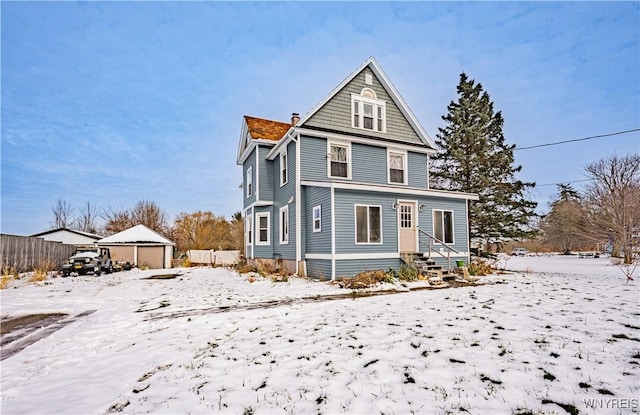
(557, 335)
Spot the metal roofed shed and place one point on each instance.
(140, 246)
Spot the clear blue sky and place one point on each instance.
(118, 102)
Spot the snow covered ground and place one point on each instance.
(557, 335)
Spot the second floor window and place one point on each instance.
(249, 181)
(339, 164)
(396, 163)
(284, 178)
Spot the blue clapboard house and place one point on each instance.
(345, 188)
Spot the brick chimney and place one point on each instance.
(295, 117)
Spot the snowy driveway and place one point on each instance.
(534, 341)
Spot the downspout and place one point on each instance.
(333, 233)
(296, 140)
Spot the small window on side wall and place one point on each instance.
(284, 175)
(249, 181)
(317, 218)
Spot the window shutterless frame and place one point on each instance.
(443, 226)
(263, 228)
(284, 225)
(368, 224)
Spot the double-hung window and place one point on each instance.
(443, 226)
(368, 224)
(339, 160)
(284, 175)
(397, 169)
(368, 112)
(284, 225)
(249, 181)
(317, 218)
(263, 229)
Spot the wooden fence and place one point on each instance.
(24, 253)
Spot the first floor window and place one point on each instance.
(339, 155)
(317, 218)
(368, 224)
(396, 168)
(443, 225)
(284, 225)
(249, 229)
(262, 220)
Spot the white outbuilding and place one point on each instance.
(69, 236)
(140, 246)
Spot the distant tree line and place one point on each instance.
(198, 230)
(607, 210)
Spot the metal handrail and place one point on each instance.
(433, 238)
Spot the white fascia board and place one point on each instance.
(401, 103)
(253, 144)
(284, 141)
(244, 130)
(392, 189)
(259, 203)
(363, 140)
(335, 90)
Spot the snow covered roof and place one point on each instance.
(87, 234)
(138, 234)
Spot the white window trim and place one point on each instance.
(284, 166)
(258, 216)
(405, 173)
(355, 225)
(313, 219)
(346, 144)
(376, 103)
(284, 236)
(249, 182)
(453, 225)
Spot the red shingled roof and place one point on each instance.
(259, 128)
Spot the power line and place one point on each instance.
(567, 182)
(577, 139)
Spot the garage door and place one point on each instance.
(152, 256)
(122, 253)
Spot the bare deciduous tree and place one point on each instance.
(117, 220)
(613, 201)
(62, 212)
(149, 214)
(201, 230)
(87, 221)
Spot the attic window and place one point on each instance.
(368, 112)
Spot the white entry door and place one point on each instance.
(407, 225)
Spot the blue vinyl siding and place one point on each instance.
(318, 242)
(417, 165)
(345, 201)
(369, 164)
(351, 267)
(282, 194)
(250, 162)
(266, 173)
(319, 268)
(313, 151)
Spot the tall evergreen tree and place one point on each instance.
(475, 158)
